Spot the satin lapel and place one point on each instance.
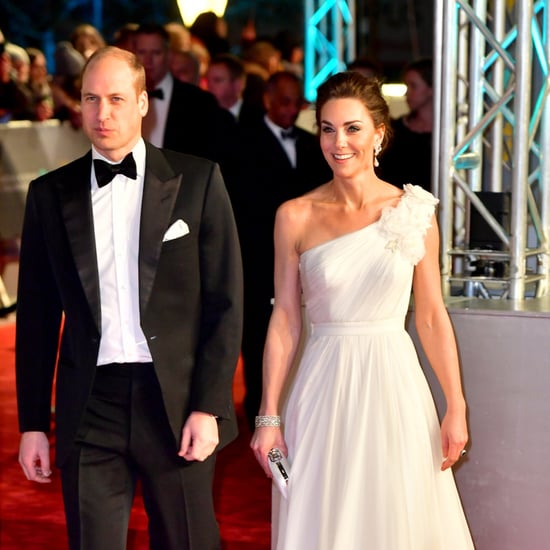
(160, 189)
(76, 206)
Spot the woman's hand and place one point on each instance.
(265, 439)
(454, 436)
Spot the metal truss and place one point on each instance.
(491, 130)
(329, 41)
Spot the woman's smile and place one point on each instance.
(341, 156)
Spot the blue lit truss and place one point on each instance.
(329, 41)
(492, 106)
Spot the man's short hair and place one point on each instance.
(233, 64)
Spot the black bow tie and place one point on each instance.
(289, 133)
(157, 92)
(105, 172)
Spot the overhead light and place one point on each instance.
(189, 9)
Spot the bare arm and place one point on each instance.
(62, 99)
(437, 337)
(284, 331)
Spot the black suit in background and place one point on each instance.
(190, 291)
(250, 115)
(408, 158)
(196, 125)
(192, 115)
(266, 179)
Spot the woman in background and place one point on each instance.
(39, 85)
(408, 158)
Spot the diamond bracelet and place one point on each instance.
(267, 421)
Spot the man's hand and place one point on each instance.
(199, 436)
(34, 456)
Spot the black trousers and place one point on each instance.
(125, 436)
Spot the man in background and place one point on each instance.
(281, 161)
(181, 116)
(226, 80)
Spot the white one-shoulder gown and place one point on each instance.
(360, 423)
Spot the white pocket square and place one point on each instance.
(178, 229)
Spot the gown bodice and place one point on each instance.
(367, 274)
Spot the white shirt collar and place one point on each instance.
(289, 145)
(274, 127)
(235, 109)
(166, 85)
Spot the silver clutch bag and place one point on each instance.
(280, 470)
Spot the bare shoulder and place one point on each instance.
(292, 217)
(295, 217)
(299, 210)
(389, 193)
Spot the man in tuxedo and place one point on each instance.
(226, 79)
(182, 116)
(280, 161)
(130, 280)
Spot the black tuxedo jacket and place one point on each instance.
(197, 125)
(250, 115)
(190, 295)
(266, 180)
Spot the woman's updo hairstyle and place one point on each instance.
(354, 85)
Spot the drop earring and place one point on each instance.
(377, 149)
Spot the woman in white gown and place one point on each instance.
(370, 465)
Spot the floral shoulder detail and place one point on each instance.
(404, 226)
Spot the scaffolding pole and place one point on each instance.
(491, 139)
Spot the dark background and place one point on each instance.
(392, 31)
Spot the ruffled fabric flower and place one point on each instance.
(404, 226)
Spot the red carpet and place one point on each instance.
(31, 515)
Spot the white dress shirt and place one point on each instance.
(235, 109)
(158, 110)
(289, 145)
(117, 214)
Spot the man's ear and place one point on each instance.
(143, 102)
(266, 101)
